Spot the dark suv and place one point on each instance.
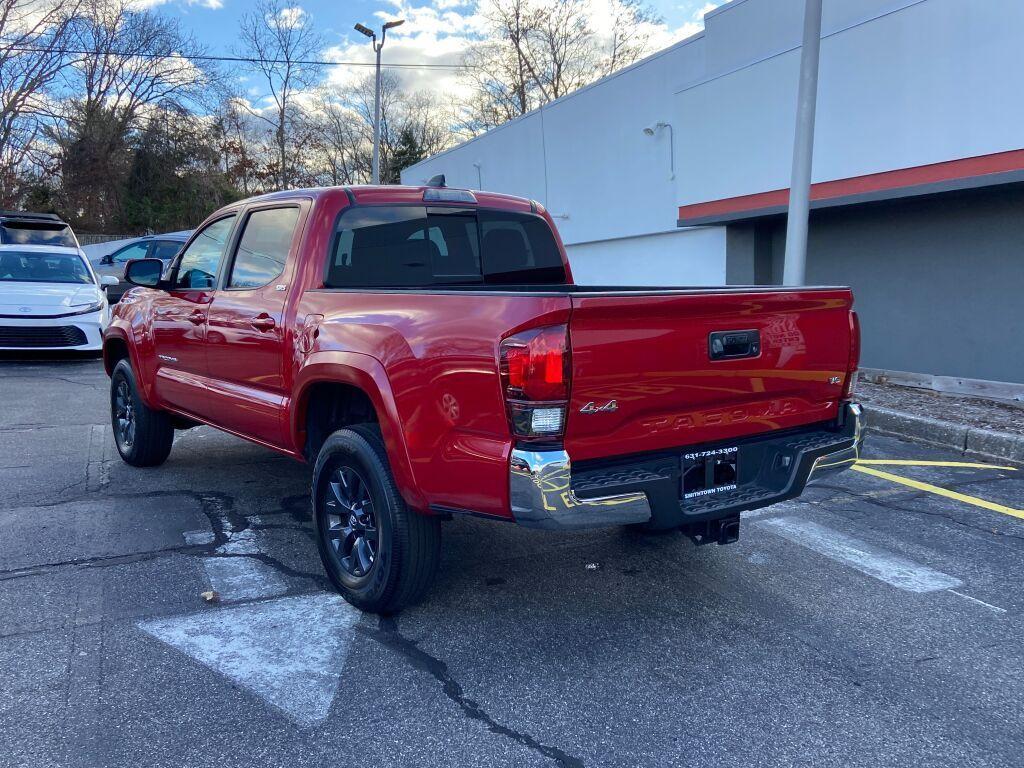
(21, 228)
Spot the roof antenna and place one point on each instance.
(436, 181)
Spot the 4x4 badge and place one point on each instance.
(608, 407)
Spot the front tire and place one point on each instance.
(380, 555)
(143, 436)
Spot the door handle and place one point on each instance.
(197, 317)
(262, 323)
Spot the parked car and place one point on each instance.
(22, 228)
(50, 299)
(163, 247)
(426, 351)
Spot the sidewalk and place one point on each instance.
(987, 428)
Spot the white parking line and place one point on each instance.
(235, 575)
(879, 564)
(995, 608)
(290, 652)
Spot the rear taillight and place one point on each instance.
(854, 362)
(535, 372)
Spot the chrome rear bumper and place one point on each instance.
(541, 489)
(845, 457)
(542, 497)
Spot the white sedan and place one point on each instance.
(50, 298)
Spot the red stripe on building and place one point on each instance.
(968, 167)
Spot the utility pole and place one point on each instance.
(377, 47)
(795, 266)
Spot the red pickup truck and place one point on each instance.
(426, 350)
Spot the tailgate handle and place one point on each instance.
(730, 345)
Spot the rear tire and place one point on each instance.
(380, 555)
(143, 436)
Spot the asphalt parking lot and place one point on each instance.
(875, 622)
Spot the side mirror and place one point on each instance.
(144, 272)
(108, 281)
(108, 259)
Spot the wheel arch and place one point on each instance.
(117, 347)
(360, 381)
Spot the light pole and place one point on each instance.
(653, 129)
(377, 46)
(794, 270)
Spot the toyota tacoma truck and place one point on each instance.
(426, 351)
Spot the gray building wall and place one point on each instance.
(938, 281)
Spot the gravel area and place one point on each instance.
(956, 409)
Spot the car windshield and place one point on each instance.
(36, 233)
(42, 267)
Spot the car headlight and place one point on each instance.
(87, 309)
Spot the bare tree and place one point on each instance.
(632, 22)
(134, 58)
(338, 139)
(131, 61)
(404, 117)
(284, 44)
(238, 145)
(540, 50)
(33, 39)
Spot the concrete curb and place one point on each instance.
(985, 443)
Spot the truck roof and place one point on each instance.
(369, 194)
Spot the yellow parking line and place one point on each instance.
(963, 497)
(914, 463)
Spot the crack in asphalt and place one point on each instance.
(218, 508)
(388, 635)
(888, 505)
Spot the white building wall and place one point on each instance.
(902, 83)
(691, 256)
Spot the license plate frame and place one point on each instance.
(709, 472)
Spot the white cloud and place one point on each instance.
(214, 5)
(290, 17)
(442, 33)
(438, 35)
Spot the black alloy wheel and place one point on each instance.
(124, 415)
(379, 554)
(351, 524)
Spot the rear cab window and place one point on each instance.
(414, 246)
(24, 232)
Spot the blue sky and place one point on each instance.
(214, 21)
(435, 32)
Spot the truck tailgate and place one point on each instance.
(651, 354)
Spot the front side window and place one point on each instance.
(42, 267)
(198, 266)
(263, 247)
(134, 251)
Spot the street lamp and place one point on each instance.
(376, 98)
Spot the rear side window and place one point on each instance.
(133, 251)
(407, 246)
(263, 247)
(37, 233)
(165, 250)
(519, 249)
